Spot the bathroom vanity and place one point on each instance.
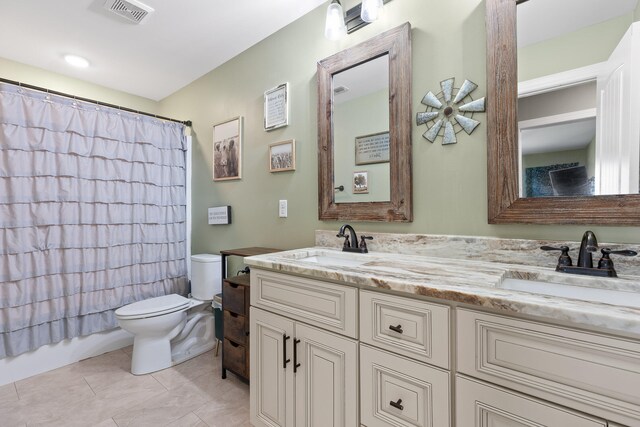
(391, 339)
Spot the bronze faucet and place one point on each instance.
(588, 245)
(351, 240)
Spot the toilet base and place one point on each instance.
(197, 336)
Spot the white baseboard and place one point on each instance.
(49, 357)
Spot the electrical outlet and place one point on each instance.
(282, 209)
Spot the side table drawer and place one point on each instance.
(235, 357)
(235, 327)
(233, 297)
(396, 391)
(413, 328)
(322, 304)
(591, 372)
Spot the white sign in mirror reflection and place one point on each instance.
(360, 129)
(579, 97)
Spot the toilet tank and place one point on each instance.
(206, 279)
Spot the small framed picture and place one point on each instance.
(360, 182)
(276, 107)
(227, 150)
(282, 156)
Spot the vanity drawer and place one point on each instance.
(322, 304)
(401, 392)
(414, 328)
(587, 371)
(484, 405)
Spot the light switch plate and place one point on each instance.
(282, 209)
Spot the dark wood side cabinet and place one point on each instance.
(236, 299)
(235, 314)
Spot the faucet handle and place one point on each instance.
(606, 263)
(564, 260)
(363, 243)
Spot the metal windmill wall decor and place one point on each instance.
(447, 114)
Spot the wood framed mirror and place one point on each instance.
(504, 203)
(394, 48)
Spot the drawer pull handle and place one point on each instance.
(397, 405)
(296, 365)
(397, 329)
(284, 351)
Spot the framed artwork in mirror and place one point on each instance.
(360, 182)
(282, 156)
(227, 150)
(276, 107)
(372, 148)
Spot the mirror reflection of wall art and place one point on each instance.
(282, 156)
(227, 150)
(450, 111)
(372, 148)
(276, 107)
(360, 182)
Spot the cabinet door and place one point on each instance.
(272, 385)
(326, 380)
(484, 405)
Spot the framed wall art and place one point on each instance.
(361, 182)
(227, 150)
(276, 107)
(372, 148)
(282, 156)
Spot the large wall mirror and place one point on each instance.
(563, 111)
(364, 130)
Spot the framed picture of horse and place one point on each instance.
(227, 150)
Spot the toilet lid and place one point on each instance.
(154, 306)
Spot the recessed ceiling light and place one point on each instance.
(76, 61)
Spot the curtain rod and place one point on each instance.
(93, 101)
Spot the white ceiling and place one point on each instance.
(558, 137)
(178, 43)
(540, 20)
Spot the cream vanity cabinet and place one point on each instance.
(519, 366)
(404, 362)
(304, 353)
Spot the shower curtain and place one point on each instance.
(92, 215)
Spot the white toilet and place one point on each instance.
(171, 329)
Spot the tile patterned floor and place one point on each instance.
(101, 392)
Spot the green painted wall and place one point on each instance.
(545, 159)
(38, 77)
(636, 14)
(449, 182)
(586, 46)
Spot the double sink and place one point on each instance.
(619, 292)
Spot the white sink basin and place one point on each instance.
(333, 261)
(583, 293)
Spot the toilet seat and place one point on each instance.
(152, 307)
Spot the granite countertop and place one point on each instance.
(465, 281)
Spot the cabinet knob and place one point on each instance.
(397, 329)
(397, 405)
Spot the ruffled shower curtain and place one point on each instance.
(92, 215)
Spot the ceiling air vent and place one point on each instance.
(340, 89)
(132, 10)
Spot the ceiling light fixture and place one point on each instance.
(334, 28)
(76, 61)
(338, 24)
